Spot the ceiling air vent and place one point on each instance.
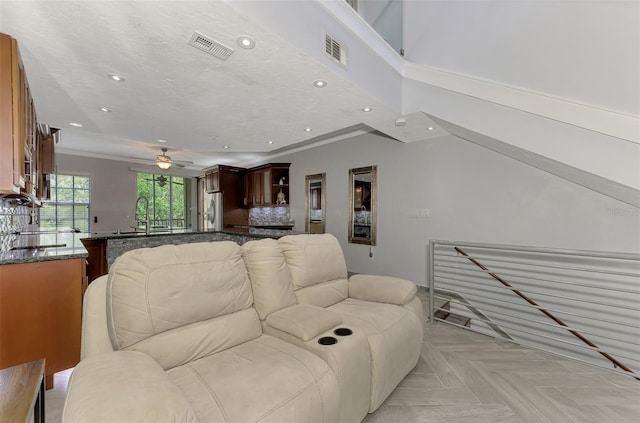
(208, 45)
(335, 50)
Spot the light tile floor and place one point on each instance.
(463, 376)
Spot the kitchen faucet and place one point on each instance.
(147, 222)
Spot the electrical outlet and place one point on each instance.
(412, 212)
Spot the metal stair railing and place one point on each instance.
(586, 295)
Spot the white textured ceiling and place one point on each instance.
(174, 92)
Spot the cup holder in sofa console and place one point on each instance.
(327, 340)
(343, 331)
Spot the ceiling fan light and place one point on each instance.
(164, 165)
(163, 161)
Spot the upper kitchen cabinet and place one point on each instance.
(258, 187)
(268, 185)
(230, 181)
(22, 142)
(12, 115)
(47, 139)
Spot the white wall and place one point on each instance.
(472, 193)
(385, 16)
(581, 50)
(609, 157)
(113, 190)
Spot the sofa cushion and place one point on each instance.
(324, 294)
(181, 345)
(304, 321)
(155, 290)
(313, 259)
(264, 380)
(269, 275)
(124, 386)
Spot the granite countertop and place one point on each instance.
(267, 226)
(135, 234)
(63, 246)
(261, 232)
(257, 232)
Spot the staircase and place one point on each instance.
(443, 312)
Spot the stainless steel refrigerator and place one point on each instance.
(213, 211)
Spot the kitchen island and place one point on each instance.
(105, 248)
(42, 280)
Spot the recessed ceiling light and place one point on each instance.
(104, 109)
(367, 109)
(116, 77)
(226, 147)
(319, 83)
(269, 142)
(430, 128)
(246, 42)
(162, 141)
(308, 129)
(77, 125)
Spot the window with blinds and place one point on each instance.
(69, 204)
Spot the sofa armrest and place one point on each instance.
(381, 289)
(124, 386)
(95, 335)
(304, 321)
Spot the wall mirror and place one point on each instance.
(362, 205)
(315, 201)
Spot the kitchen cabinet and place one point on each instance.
(265, 182)
(230, 181)
(41, 312)
(24, 149)
(280, 183)
(212, 181)
(258, 187)
(255, 187)
(11, 115)
(97, 258)
(46, 141)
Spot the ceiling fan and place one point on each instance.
(164, 162)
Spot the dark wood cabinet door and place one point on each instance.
(212, 182)
(97, 259)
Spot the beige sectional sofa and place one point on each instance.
(272, 331)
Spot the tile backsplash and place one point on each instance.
(315, 214)
(362, 217)
(12, 219)
(269, 216)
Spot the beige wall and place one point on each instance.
(113, 189)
